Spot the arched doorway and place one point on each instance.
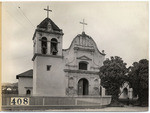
(125, 93)
(83, 87)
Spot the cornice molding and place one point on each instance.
(84, 58)
(45, 31)
(51, 32)
(54, 56)
(81, 71)
(83, 49)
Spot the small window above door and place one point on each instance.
(83, 65)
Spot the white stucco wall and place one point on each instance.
(24, 84)
(49, 83)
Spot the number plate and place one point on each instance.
(19, 101)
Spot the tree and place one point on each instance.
(113, 74)
(138, 78)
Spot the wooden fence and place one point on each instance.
(59, 101)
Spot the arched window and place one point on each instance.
(44, 45)
(28, 92)
(125, 93)
(54, 49)
(83, 65)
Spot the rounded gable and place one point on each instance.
(84, 41)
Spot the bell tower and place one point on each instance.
(47, 39)
(47, 58)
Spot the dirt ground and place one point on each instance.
(109, 109)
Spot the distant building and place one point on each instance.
(126, 91)
(25, 82)
(9, 88)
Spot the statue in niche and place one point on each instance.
(70, 91)
(71, 82)
(49, 27)
(96, 90)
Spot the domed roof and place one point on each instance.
(48, 21)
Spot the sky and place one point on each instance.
(119, 28)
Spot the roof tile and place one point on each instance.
(45, 22)
(27, 74)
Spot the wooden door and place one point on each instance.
(80, 87)
(83, 87)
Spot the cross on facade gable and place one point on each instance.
(48, 10)
(83, 23)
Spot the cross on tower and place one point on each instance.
(83, 24)
(48, 10)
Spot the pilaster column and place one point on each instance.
(130, 93)
(103, 91)
(48, 47)
(76, 55)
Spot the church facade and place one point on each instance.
(62, 72)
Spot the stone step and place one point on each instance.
(41, 108)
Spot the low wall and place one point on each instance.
(65, 101)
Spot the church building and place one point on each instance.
(62, 72)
